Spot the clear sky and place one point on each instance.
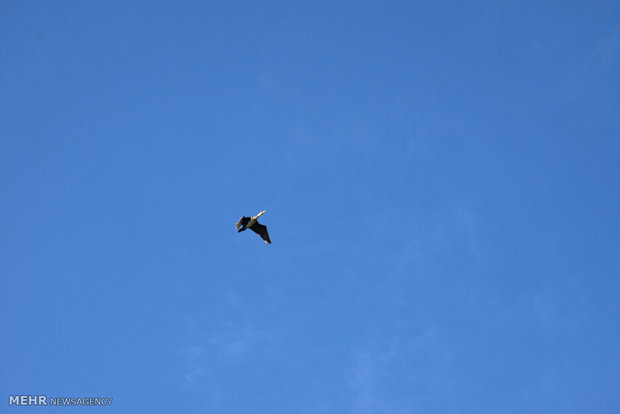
(442, 187)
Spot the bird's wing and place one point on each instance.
(261, 231)
(243, 220)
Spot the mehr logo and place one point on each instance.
(27, 400)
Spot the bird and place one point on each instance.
(252, 223)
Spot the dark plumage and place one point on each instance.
(252, 223)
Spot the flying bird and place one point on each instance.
(252, 223)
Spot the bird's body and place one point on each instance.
(252, 223)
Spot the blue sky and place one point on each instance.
(441, 182)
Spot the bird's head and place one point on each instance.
(261, 213)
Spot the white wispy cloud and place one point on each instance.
(194, 365)
(606, 50)
(420, 363)
(228, 335)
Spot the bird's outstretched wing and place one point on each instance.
(242, 221)
(261, 231)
